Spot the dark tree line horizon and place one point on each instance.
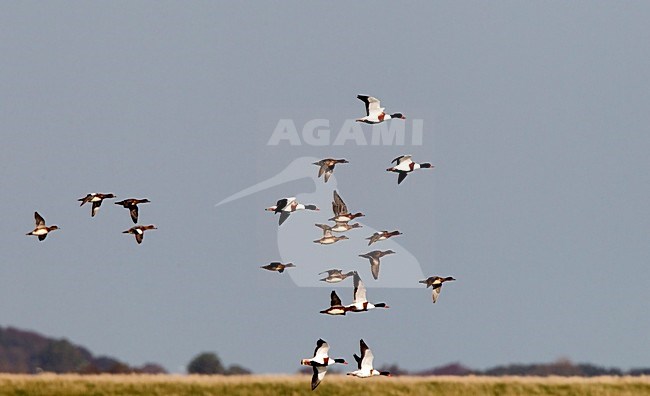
(562, 367)
(27, 352)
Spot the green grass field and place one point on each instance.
(53, 385)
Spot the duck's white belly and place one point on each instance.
(333, 280)
(404, 167)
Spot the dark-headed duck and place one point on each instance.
(329, 239)
(41, 230)
(341, 213)
(139, 230)
(132, 205)
(382, 235)
(96, 199)
(436, 283)
(277, 266)
(335, 275)
(327, 166)
(374, 257)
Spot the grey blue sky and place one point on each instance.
(535, 115)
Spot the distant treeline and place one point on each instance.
(561, 367)
(26, 352)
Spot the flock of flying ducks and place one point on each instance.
(96, 199)
(342, 217)
(403, 166)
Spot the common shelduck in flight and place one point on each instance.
(138, 231)
(335, 275)
(341, 213)
(96, 199)
(132, 205)
(319, 362)
(381, 236)
(327, 166)
(286, 206)
(276, 266)
(374, 257)
(360, 302)
(364, 363)
(436, 283)
(41, 230)
(405, 165)
(336, 307)
(374, 113)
